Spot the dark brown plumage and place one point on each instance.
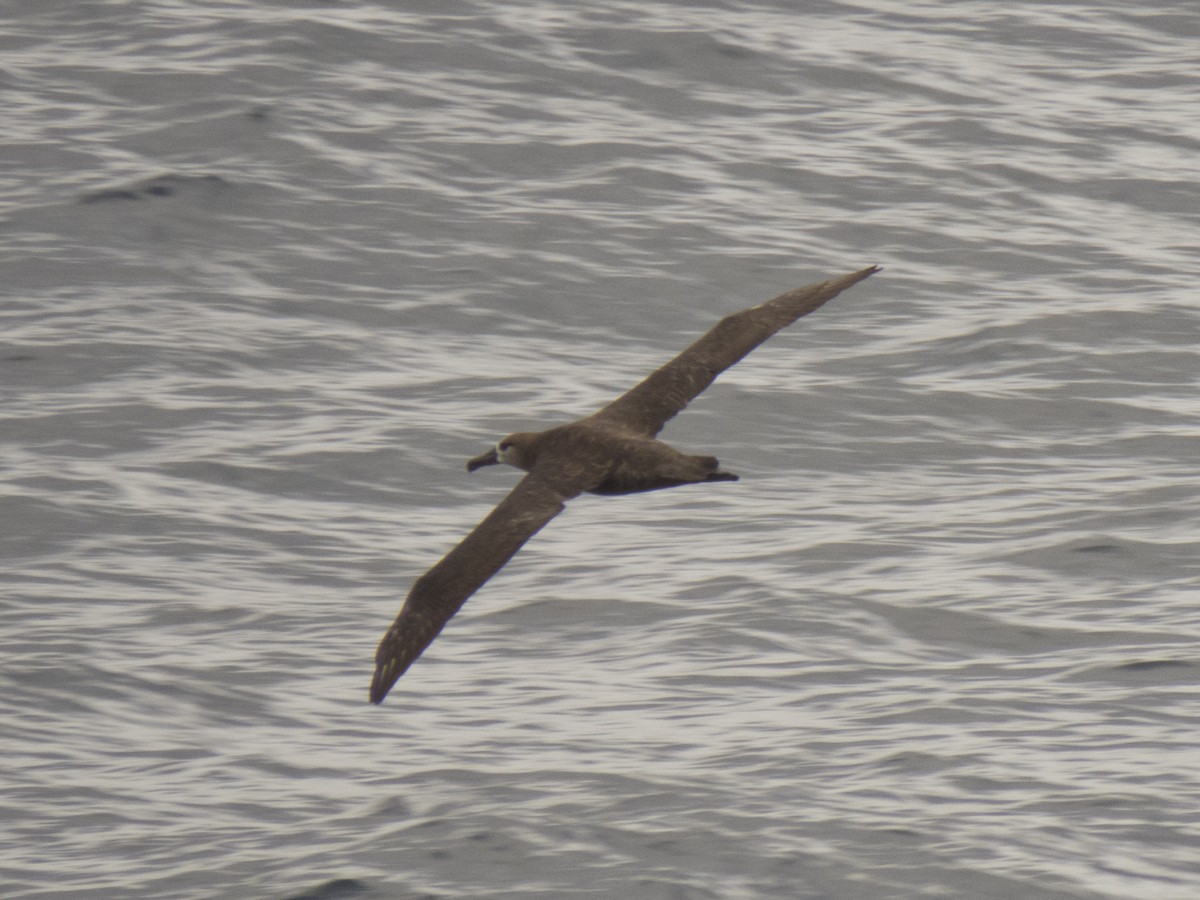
(613, 451)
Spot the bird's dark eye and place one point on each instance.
(504, 445)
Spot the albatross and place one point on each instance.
(614, 451)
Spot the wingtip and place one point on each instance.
(378, 694)
(382, 681)
(846, 281)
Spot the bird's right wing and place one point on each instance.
(438, 594)
(644, 409)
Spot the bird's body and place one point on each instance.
(601, 460)
(614, 451)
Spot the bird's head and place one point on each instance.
(514, 450)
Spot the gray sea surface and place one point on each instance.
(271, 272)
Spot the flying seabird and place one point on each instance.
(613, 451)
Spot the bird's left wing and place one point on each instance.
(438, 594)
(646, 407)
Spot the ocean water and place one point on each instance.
(272, 272)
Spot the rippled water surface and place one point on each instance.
(273, 271)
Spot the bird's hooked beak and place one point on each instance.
(485, 459)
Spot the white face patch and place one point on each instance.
(506, 452)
